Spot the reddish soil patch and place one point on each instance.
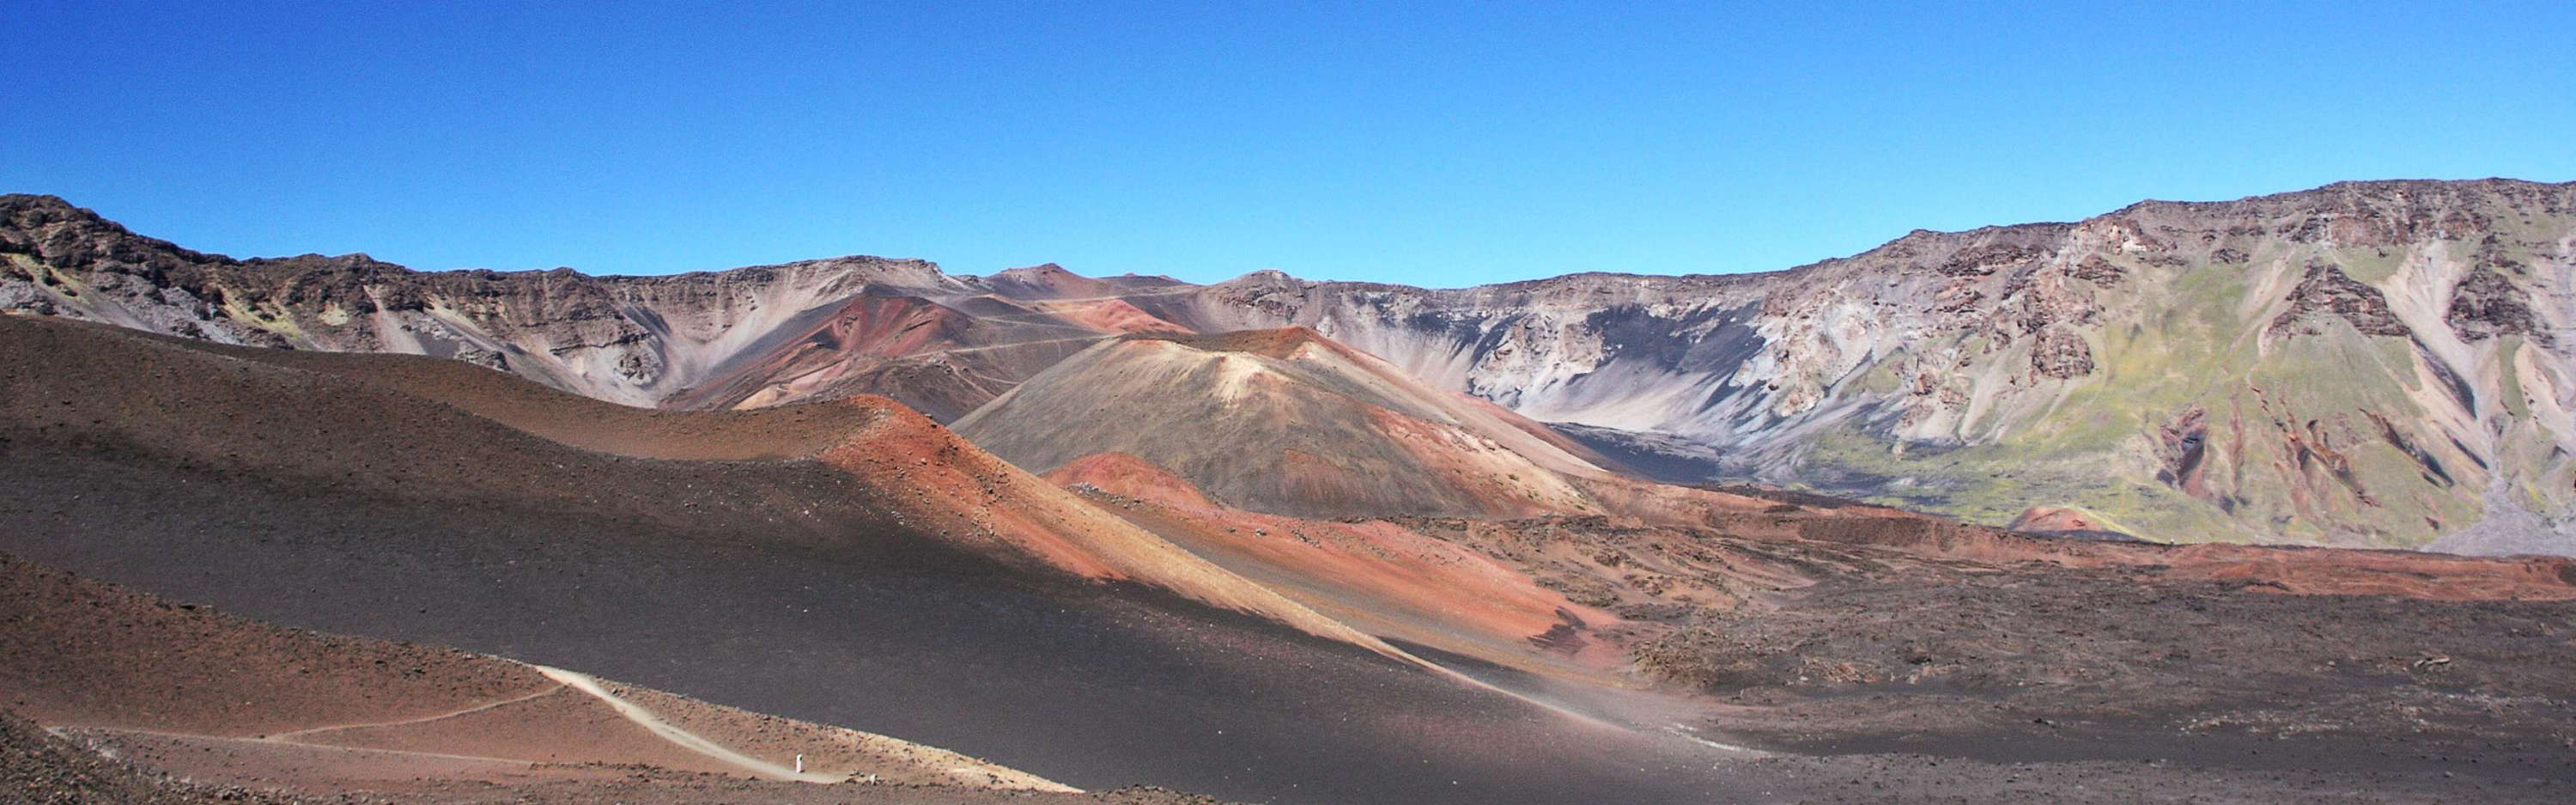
(40, 767)
(1130, 477)
(316, 769)
(1390, 581)
(565, 726)
(1111, 316)
(2044, 519)
(76, 651)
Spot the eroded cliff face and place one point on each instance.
(2380, 363)
(2371, 364)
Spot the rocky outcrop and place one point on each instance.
(2326, 292)
(2060, 353)
(2484, 305)
(2098, 270)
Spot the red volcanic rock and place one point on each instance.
(77, 651)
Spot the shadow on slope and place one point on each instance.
(788, 586)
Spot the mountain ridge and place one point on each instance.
(1926, 372)
(15, 201)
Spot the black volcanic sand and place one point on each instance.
(1093, 687)
(1952, 677)
(2051, 663)
(316, 501)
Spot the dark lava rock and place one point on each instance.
(2098, 271)
(2061, 353)
(2485, 305)
(2327, 290)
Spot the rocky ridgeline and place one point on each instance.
(2373, 363)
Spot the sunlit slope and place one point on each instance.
(1287, 422)
(2254, 388)
(2373, 363)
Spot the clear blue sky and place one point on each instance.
(1436, 144)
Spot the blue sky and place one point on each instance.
(1435, 144)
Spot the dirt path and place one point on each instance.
(673, 733)
(291, 735)
(76, 731)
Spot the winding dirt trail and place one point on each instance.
(290, 736)
(75, 731)
(673, 733)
